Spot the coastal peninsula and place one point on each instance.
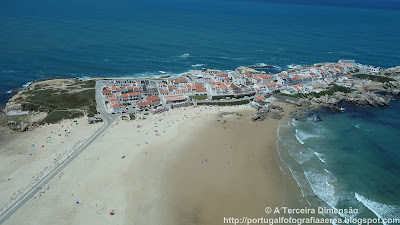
(179, 148)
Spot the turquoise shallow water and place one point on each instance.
(349, 159)
(44, 39)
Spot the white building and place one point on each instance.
(371, 69)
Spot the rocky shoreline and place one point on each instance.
(371, 95)
(30, 106)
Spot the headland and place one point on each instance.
(187, 149)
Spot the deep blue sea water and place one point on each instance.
(348, 159)
(45, 39)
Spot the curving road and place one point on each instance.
(108, 120)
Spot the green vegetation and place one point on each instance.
(78, 84)
(225, 103)
(57, 116)
(55, 100)
(88, 84)
(5, 119)
(373, 77)
(331, 91)
(60, 104)
(217, 97)
(19, 99)
(132, 116)
(198, 97)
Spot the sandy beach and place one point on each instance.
(186, 166)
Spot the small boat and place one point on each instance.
(342, 109)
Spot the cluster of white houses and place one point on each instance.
(146, 93)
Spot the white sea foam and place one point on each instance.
(380, 210)
(320, 155)
(185, 55)
(300, 154)
(294, 121)
(322, 188)
(261, 64)
(357, 126)
(198, 65)
(302, 136)
(293, 66)
(9, 92)
(299, 138)
(300, 180)
(84, 78)
(26, 85)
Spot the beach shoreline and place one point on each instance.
(178, 182)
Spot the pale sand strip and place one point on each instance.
(27, 157)
(164, 181)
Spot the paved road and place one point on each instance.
(108, 120)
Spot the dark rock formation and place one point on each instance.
(273, 111)
(358, 98)
(21, 126)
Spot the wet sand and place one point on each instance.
(213, 168)
(225, 170)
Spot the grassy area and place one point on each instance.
(88, 84)
(198, 97)
(373, 77)
(217, 97)
(57, 116)
(5, 119)
(61, 104)
(331, 91)
(61, 101)
(225, 103)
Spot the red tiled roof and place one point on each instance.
(259, 98)
(270, 84)
(153, 98)
(348, 76)
(143, 103)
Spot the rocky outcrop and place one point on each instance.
(394, 69)
(392, 87)
(358, 98)
(273, 111)
(21, 126)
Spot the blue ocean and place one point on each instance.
(349, 159)
(47, 39)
